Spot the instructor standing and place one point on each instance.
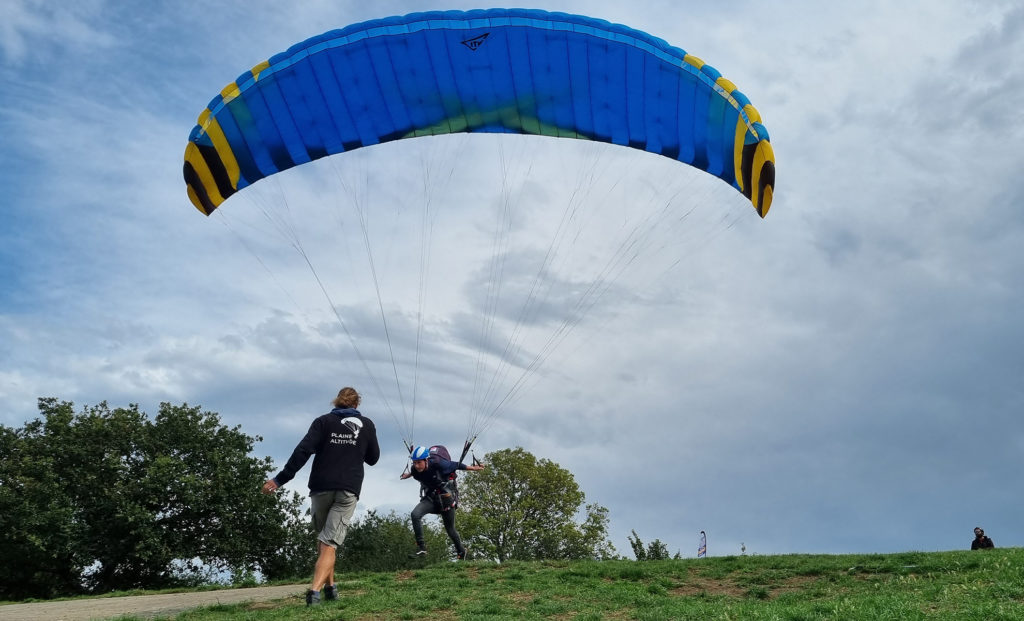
(342, 441)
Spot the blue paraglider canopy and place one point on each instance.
(496, 70)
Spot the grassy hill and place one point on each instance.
(986, 585)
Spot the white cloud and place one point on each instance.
(29, 26)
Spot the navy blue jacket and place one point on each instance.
(342, 440)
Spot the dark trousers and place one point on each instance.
(428, 505)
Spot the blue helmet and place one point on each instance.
(418, 453)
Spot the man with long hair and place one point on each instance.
(342, 440)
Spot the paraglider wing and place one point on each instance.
(496, 70)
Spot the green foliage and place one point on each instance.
(107, 499)
(287, 546)
(655, 551)
(383, 543)
(523, 508)
(38, 555)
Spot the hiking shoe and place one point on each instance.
(330, 592)
(461, 556)
(312, 598)
(420, 552)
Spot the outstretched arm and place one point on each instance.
(306, 447)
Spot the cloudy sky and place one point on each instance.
(842, 376)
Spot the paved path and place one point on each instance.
(143, 606)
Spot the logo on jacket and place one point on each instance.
(354, 425)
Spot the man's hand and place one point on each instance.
(269, 486)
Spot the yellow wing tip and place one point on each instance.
(192, 196)
(766, 202)
(762, 188)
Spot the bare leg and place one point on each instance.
(324, 570)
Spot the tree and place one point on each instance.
(107, 499)
(523, 508)
(38, 556)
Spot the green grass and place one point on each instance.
(985, 585)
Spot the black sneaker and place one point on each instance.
(330, 592)
(420, 552)
(461, 556)
(312, 598)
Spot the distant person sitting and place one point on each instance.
(981, 540)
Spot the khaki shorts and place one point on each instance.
(332, 514)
